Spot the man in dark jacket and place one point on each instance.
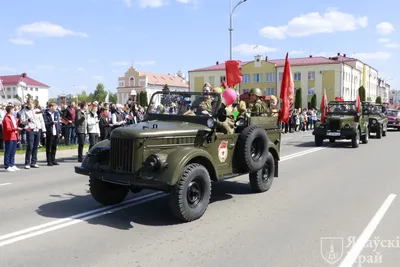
(53, 132)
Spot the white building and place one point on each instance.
(383, 90)
(394, 97)
(12, 88)
(135, 82)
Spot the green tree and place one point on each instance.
(145, 100)
(113, 98)
(140, 98)
(83, 96)
(165, 98)
(361, 93)
(378, 100)
(18, 98)
(298, 102)
(314, 101)
(99, 93)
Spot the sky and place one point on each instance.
(73, 45)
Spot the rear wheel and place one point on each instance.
(261, 181)
(365, 137)
(107, 193)
(379, 132)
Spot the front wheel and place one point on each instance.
(379, 132)
(318, 140)
(190, 197)
(107, 193)
(355, 140)
(365, 137)
(261, 181)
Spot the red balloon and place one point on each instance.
(230, 96)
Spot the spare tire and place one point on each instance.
(252, 149)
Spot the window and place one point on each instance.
(245, 90)
(311, 91)
(280, 76)
(297, 76)
(246, 78)
(311, 75)
(222, 79)
(271, 78)
(270, 91)
(211, 80)
(265, 91)
(257, 77)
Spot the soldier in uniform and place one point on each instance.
(259, 108)
(228, 126)
(205, 106)
(274, 104)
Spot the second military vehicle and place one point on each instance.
(377, 119)
(342, 122)
(180, 149)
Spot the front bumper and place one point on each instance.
(342, 134)
(392, 124)
(125, 179)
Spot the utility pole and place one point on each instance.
(231, 26)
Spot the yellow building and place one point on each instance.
(134, 82)
(340, 76)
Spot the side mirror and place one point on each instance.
(221, 114)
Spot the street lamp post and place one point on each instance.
(230, 24)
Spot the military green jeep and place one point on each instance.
(180, 150)
(377, 119)
(342, 122)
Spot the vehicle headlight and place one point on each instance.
(156, 162)
(211, 122)
(373, 121)
(347, 126)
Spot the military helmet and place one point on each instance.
(217, 90)
(256, 91)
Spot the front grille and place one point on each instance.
(334, 125)
(121, 155)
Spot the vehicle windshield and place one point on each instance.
(373, 109)
(184, 103)
(342, 108)
(393, 113)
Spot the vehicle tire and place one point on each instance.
(190, 197)
(379, 132)
(319, 141)
(355, 140)
(331, 140)
(384, 132)
(107, 193)
(261, 180)
(253, 147)
(365, 138)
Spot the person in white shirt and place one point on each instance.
(93, 126)
(32, 120)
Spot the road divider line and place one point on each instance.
(85, 216)
(75, 221)
(356, 249)
(77, 216)
(5, 184)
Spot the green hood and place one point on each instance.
(164, 128)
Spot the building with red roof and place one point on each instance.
(339, 75)
(21, 86)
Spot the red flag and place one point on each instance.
(324, 106)
(224, 85)
(287, 92)
(358, 104)
(233, 73)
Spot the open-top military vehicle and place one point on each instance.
(179, 150)
(377, 119)
(342, 122)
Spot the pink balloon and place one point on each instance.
(230, 96)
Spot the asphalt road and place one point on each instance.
(347, 195)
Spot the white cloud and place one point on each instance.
(145, 63)
(315, 23)
(392, 45)
(128, 3)
(120, 63)
(296, 52)
(98, 78)
(383, 40)
(45, 67)
(372, 56)
(21, 41)
(151, 3)
(251, 49)
(7, 69)
(44, 28)
(80, 69)
(384, 28)
(322, 54)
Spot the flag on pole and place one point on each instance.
(358, 104)
(287, 92)
(324, 106)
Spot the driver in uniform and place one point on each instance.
(259, 108)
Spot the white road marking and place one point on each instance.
(5, 184)
(85, 216)
(287, 138)
(356, 249)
